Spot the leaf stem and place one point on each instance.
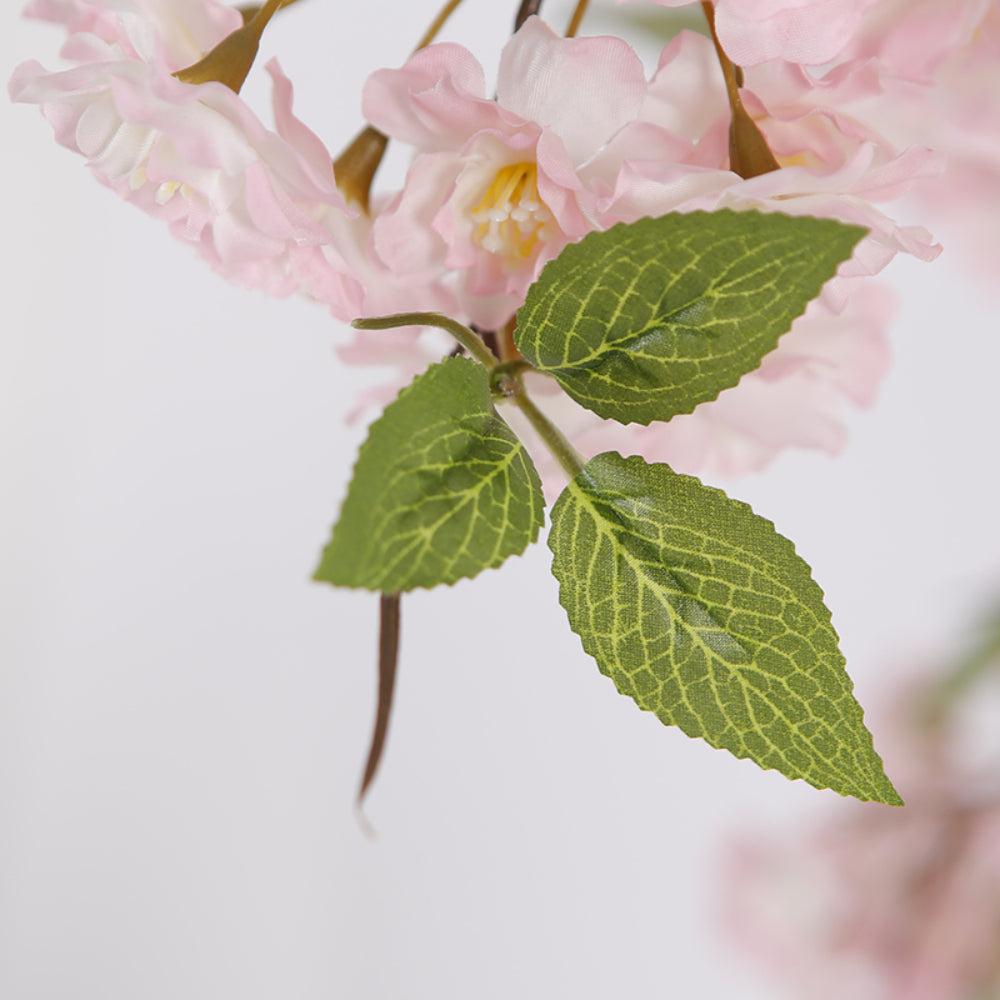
(388, 659)
(574, 24)
(466, 337)
(562, 451)
(508, 369)
(513, 389)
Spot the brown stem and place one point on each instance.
(388, 658)
(249, 13)
(749, 154)
(431, 33)
(574, 24)
(354, 169)
(527, 8)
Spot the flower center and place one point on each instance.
(512, 219)
(164, 192)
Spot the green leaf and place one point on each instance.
(647, 320)
(442, 489)
(700, 611)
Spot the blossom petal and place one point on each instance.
(434, 101)
(582, 89)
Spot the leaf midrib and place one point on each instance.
(802, 742)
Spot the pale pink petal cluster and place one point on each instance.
(255, 202)
(912, 38)
(498, 186)
(572, 139)
(883, 903)
(674, 158)
(938, 63)
(495, 188)
(810, 32)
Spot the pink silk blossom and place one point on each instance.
(883, 903)
(494, 190)
(575, 140)
(668, 151)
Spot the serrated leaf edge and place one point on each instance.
(498, 562)
(828, 619)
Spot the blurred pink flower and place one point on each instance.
(938, 69)
(810, 32)
(883, 903)
(912, 38)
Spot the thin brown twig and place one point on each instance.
(437, 24)
(355, 167)
(574, 24)
(388, 659)
(527, 8)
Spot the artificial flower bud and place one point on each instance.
(355, 168)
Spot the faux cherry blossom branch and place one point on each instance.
(594, 221)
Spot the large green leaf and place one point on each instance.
(442, 489)
(700, 611)
(647, 320)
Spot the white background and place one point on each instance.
(184, 714)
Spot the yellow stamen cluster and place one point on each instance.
(512, 218)
(165, 192)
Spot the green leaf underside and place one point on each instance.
(649, 319)
(703, 614)
(442, 489)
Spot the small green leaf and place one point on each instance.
(700, 611)
(647, 320)
(442, 489)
